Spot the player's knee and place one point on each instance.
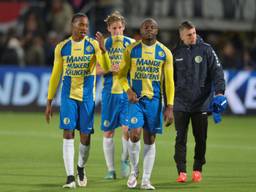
(109, 134)
(125, 135)
(67, 134)
(135, 135)
(135, 138)
(85, 139)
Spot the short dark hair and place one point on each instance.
(186, 25)
(151, 20)
(78, 15)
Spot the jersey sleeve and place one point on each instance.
(105, 43)
(168, 76)
(216, 71)
(132, 41)
(124, 68)
(102, 58)
(56, 72)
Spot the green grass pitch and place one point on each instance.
(31, 157)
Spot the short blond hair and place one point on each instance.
(115, 17)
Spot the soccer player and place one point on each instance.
(198, 76)
(74, 60)
(114, 108)
(150, 66)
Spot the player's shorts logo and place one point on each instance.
(89, 48)
(161, 54)
(198, 59)
(106, 123)
(66, 120)
(134, 120)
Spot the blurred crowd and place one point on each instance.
(236, 50)
(46, 22)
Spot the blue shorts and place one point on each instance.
(77, 115)
(147, 113)
(114, 111)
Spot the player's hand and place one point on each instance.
(48, 112)
(99, 70)
(115, 68)
(168, 115)
(100, 38)
(132, 96)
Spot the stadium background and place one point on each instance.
(30, 155)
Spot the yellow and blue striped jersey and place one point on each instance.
(147, 66)
(115, 45)
(76, 62)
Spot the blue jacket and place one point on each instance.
(198, 74)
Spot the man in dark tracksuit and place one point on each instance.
(198, 76)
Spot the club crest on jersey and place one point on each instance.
(161, 54)
(126, 44)
(198, 59)
(66, 120)
(89, 48)
(134, 120)
(106, 123)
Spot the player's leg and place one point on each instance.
(68, 122)
(86, 112)
(84, 151)
(199, 126)
(134, 154)
(125, 164)
(181, 120)
(125, 139)
(149, 159)
(109, 150)
(68, 157)
(152, 126)
(136, 122)
(109, 122)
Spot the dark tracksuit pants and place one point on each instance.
(199, 126)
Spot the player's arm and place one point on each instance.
(99, 70)
(101, 53)
(216, 71)
(132, 41)
(102, 45)
(101, 41)
(168, 76)
(103, 60)
(125, 66)
(54, 81)
(169, 87)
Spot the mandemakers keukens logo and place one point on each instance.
(198, 59)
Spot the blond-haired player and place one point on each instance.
(114, 100)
